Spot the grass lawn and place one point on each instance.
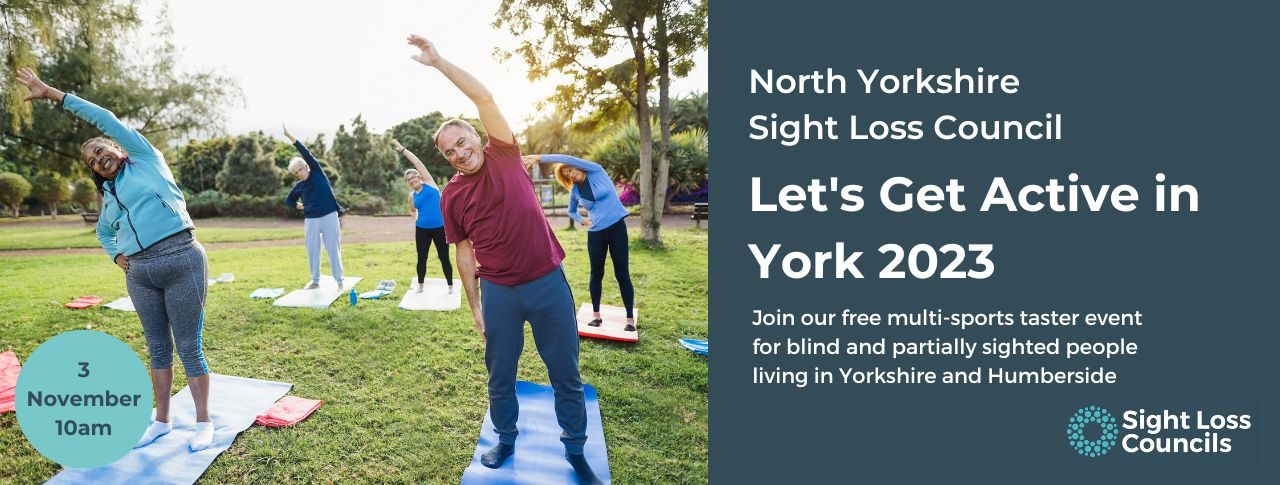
(404, 391)
(19, 236)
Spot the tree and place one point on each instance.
(368, 161)
(680, 30)
(689, 112)
(576, 38)
(198, 163)
(51, 189)
(617, 152)
(31, 28)
(85, 194)
(548, 135)
(13, 188)
(82, 47)
(248, 170)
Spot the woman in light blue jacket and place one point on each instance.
(145, 229)
(590, 186)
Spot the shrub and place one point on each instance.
(13, 188)
(253, 206)
(362, 203)
(205, 204)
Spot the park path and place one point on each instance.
(355, 229)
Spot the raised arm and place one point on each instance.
(128, 138)
(312, 163)
(417, 164)
(584, 165)
(490, 116)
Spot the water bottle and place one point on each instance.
(354, 297)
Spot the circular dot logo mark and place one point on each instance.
(1092, 431)
(83, 399)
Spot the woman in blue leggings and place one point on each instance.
(590, 186)
(145, 230)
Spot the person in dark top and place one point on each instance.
(320, 209)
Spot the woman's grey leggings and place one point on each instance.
(168, 283)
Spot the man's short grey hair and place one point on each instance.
(454, 122)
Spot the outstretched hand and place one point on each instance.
(396, 143)
(428, 56)
(531, 160)
(38, 89)
(287, 134)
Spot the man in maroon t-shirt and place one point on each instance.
(492, 214)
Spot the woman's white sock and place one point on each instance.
(203, 437)
(155, 430)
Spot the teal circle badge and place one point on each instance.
(83, 399)
(1086, 441)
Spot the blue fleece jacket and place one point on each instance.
(143, 205)
(606, 209)
(316, 192)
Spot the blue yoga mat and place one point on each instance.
(694, 345)
(539, 456)
(234, 403)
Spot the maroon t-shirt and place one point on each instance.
(497, 210)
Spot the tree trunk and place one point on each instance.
(53, 208)
(650, 202)
(664, 118)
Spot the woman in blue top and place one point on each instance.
(424, 207)
(145, 230)
(590, 186)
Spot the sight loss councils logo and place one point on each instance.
(1079, 430)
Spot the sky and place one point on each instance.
(317, 64)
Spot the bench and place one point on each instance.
(699, 213)
(90, 218)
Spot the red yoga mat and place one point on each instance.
(84, 302)
(288, 411)
(9, 369)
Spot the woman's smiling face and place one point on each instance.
(103, 158)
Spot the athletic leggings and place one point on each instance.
(424, 238)
(167, 283)
(611, 240)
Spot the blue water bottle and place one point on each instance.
(354, 297)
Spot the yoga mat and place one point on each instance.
(9, 370)
(539, 456)
(123, 304)
(435, 296)
(234, 403)
(615, 320)
(694, 345)
(83, 302)
(320, 297)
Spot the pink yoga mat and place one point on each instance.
(288, 411)
(9, 369)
